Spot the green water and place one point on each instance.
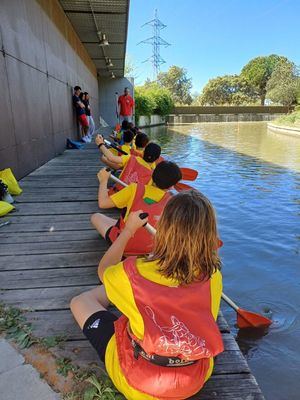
(252, 176)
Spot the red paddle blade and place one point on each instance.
(247, 319)
(188, 174)
(182, 186)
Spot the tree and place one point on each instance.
(258, 72)
(130, 70)
(152, 99)
(227, 89)
(178, 84)
(284, 85)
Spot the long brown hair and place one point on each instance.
(186, 241)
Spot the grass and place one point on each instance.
(292, 119)
(94, 386)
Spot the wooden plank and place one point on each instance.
(49, 236)
(56, 260)
(230, 387)
(54, 182)
(222, 323)
(42, 299)
(84, 207)
(41, 223)
(56, 171)
(56, 195)
(56, 277)
(72, 246)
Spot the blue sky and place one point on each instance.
(212, 38)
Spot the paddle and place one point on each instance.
(245, 319)
(179, 186)
(188, 174)
(114, 146)
(117, 127)
(182, 186)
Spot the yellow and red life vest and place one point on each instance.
(133, 172)
(142, 242)
(178, 327)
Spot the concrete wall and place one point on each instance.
(107, 97)
(153, 120)
(230, 110)
(174, 119)
(41, 60)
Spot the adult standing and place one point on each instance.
(80, 112)
(86, 102)
(125, 106)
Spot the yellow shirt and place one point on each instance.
(124, 198)
(126, 148)
(119, 292)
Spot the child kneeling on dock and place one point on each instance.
(162, 347)
(151, 198)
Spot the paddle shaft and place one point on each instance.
(108, 143)
(149, 228)
(117, 106)
(230, 302)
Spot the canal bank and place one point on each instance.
(195, 114)
(285, 130)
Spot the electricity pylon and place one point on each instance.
(156, 41)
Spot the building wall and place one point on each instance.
(107, 97)
(41, 60)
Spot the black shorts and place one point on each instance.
(107, 235)
(98, 329)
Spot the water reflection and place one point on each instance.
(251, 176)
(253, 139)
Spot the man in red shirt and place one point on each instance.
(125, 105)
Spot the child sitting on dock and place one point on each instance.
(140, 142)
(151, 198)
(162, 347)
(135, 168)
(126, 147)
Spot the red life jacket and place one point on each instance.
(133, 172)
(142, 242)
(177, 323)
(137, 153)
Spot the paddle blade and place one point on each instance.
(247, 319)
(182, 186)
(188, 174)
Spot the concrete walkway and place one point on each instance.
(20, 381)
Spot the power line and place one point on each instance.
(156, 41)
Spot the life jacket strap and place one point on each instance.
(162, 361)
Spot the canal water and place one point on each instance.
(252, 176)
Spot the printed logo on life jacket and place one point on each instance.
(132, 177)
(177, 339)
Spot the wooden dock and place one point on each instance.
(50, 252)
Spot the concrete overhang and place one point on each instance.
(110, 17)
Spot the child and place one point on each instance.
(135, 169)
(163, 345)
(126, 147)
(140, 142)
(152, 198)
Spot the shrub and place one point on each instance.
(152, 99)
